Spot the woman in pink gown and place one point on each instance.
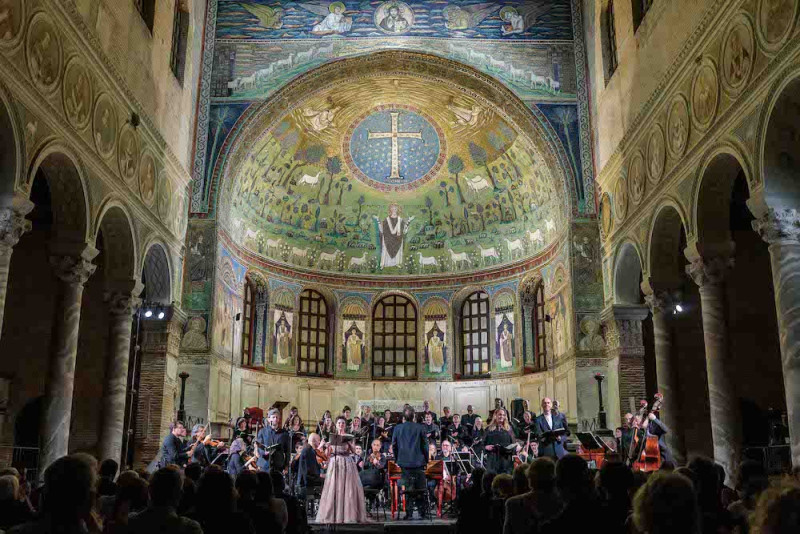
(342, 498)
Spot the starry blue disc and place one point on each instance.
(417, 141)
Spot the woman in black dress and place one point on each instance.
(499, 459)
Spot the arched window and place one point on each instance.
(475, 335)
(640, 9)
(533, 316)
(394, 338)
(609, 40)
(248, 321)
(313, 342)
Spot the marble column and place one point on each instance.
(73, 272)
(709, 275)
(122, 307)
(781, 230)
(12, 225)
(661, 306)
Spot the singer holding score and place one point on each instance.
(342, 498)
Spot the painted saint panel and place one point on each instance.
(353, 347)
(436, 346)
(282, 341)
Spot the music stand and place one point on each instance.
(589, 441)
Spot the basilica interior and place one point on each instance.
(207, 206)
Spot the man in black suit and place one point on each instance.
(173, 450)
(547, 422)
(468, 419)
(655, 427)
(273, 459)
(410, 450)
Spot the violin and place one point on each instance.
(322, 458)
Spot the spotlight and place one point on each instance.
(148, 313)
(678, 309)
(161, 315)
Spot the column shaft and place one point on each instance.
(122, 308)
(667, 383)
(723, 402)
(73, 273)
(12, 225)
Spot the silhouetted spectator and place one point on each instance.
(527, 512)
(265, 496)
(666, 504)
(520, 479)
(13, 512)
(166, 486)
(296, 516)
(614, 483)
(263, 518)
(752, 480)
(581, 507)
(108, 473)
(713, 517)
(778, 509)
(68, 499)
(215, 504)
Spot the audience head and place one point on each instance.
(278, 484)
(502, 486)
(752, 478)
(193, 472)
(666, 504)
(264, 491)
(133, 490)
(69, 488)
(10, 471)
(520, 479)
(215, 491)
(108, 468)
(9, 488)
(246, 485)
(614, 481)
(572, 477)
(706, 482)
(542, 475)
(778, 509)
(477, 478)
(166, 487)
(486, 483)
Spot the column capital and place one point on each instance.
(13, 222)
(122, 305)
(778, 225)
(71, 269)
(709, 270)
(660, 301)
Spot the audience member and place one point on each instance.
(520, 479)
(265, 496)
(262, 517)
(778, 509)
(67, 500)
(296, 517)
(165, 490)
(708, 488)
(581, 508)
(666, 504)
(13, 512)
(614, 483)
(525, 513)
(108, 473)
(215, 504)
(752, 480)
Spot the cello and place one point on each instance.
(636, 424)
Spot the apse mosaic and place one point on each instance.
(259, 46)
(403, 176)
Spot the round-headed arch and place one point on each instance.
(157, 274)
(664, 254)
(627, 274)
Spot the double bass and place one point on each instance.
(647, 455)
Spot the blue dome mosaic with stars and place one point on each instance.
(394, 146)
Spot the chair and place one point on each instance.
(313, 495)
(375, 502)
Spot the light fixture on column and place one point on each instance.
(161, 315)
(678, 309)
(148, 313)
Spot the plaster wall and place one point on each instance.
(644, 56)
(143, 60)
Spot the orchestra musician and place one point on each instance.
(173, 449)
(236, 462)
(653, 426)
(273, 459)
(498, 403)
(498, 439)
(358, 457)
(309, 472)
(433, 451)
(201, 453)
(549, 420)
(374, 472)
(624, 435)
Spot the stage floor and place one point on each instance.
(397, 526)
